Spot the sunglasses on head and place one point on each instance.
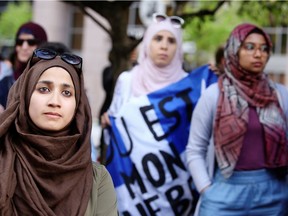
(47, 54)
(176, 21)
(31, 42)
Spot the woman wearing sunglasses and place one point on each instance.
(46, 168)
(242, 120)
(28, 37)
(144, 155)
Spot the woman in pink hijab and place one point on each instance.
(159, 63)
(149, 120)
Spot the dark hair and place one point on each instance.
(58, 47)
(219, 55)
(259, 31)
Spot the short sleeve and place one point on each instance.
(103, 200)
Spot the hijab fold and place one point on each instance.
(240, 89)
(44, 173)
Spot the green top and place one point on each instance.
(103, 197)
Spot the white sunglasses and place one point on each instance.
(176, 21)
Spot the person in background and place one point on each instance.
(6, 81)
(108, 86)
(242, 122)
(155, 60)
(218, 66)
(210, 72)
(148, 123)
(46, 168)
(219, 61)
(28, 37)
(108, 83)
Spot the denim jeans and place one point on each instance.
(246, 193)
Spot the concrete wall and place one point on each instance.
(55, 17)
(96, 47)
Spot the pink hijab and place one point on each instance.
(147, 77)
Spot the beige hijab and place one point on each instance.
(44, 173)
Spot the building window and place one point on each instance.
(277, 65)
(279, 39)
(77, 30)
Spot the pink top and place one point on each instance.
(252, 153)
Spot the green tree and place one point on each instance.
(12, 18)
(208, 23)
(117, 13)
(210, 32)
(268, 13)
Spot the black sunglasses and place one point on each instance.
(31, 42)
(47, 54)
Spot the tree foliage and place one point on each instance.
(13, 17)
(208, 33)
(268, 13)
(208, 23)
(117, 14)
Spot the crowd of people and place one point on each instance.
(213, 141)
